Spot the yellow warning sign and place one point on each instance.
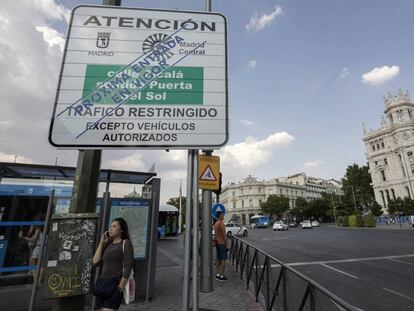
(209, 170)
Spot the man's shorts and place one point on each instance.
(221, 252)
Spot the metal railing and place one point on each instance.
(279, 286)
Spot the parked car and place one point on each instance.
(314, 223)
(235, 229)
(293, 224)
(306, 224)
(280, 225)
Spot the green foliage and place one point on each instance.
(401, 206)
(360, 221)
(369, 221)
(352, 221)
(358, 189)
(339, 220)
(176, 202)
(275, 205)
(345, 221)
(375, 208)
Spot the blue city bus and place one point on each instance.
(259, 221)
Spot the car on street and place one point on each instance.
(315, 223)
(236, 230)
(306, 224)
(280, 225)
(293, 224)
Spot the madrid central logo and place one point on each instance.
(151, 43)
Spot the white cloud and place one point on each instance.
(344, 72)
(380, 75)
(52, 11)
(252, 152)
(258, 23)
(246, 122)
(52, 37)
(132, 162)
(251, 64)
(312, 164)
(12, 157)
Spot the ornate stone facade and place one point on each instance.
(390, 150)
(243, 199)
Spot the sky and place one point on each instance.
(303, 77)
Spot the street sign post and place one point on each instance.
(209, 172)
(142, 78)
(218, 207)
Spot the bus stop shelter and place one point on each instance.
(23, 204)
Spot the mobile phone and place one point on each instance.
(106, 234)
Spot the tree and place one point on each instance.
(176, 202)
(401, 206)
(299, 210)
(275, 205)
(357, 187)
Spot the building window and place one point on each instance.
(382, 143)
(388, 195)
(376, 162)
(383, 175)
(393, 193)
(377, 144)
(402, 166)
(234, 204)
(409, 113)
(242, 203)
(372, 146)
(385, 161)
(383, 198)
(234, 193)
(399, 115)
(251, 202)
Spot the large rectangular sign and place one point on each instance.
(142, 78)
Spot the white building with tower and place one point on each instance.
(242, 200)
(390, 150)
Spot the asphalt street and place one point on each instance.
(370, 268)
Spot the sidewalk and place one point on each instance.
(230, 295)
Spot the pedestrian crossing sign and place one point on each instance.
(209, 170)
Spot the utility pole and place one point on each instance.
(333, 207)
(206, 275)
(84, 194)
(180, 210)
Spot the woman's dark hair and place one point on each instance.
(124, 228)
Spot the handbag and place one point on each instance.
(104, 287)
(129, 290)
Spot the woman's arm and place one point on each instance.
(128, 263)
(97, 257)
(33, 238)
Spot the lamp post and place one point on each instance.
(353, 195)
(333, 208)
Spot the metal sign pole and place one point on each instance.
(42, 248)
(102, 225)
(187, 234)
(206, 284)
(196, 226)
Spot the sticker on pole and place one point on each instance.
(209, 168)
(142, 78)
(218, 207)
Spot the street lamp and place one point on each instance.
(353, 195)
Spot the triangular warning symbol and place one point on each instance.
(208, 174)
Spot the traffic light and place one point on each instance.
(218, 191)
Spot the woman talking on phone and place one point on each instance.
(115, 255)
